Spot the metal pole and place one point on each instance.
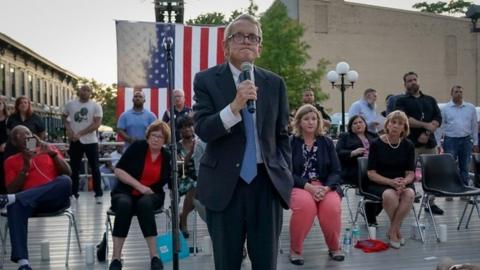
(342, 89)
(168, 46)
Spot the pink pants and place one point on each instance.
(305, 208)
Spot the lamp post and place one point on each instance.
(342, 71)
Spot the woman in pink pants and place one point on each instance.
(316, 192)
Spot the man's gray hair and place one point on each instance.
(242, 17)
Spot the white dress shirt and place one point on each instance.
(229, 119)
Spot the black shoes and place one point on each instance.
(25, 267)
(156, 264)
(296, 259)
(115, 265)
(435, 210)
(338, 255)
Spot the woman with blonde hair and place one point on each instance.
(391, 166)
(316, 192)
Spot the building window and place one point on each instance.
(22, 83)
(51, 95)
(57, 92)
(38, 91)
(3, 85)
(45, 91)
(30, 87)
(13, 86)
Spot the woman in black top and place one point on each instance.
(391, 166)
(24, 116)
(351, 145)
(3, 141)
(142, 171)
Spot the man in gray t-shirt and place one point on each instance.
(81, 118)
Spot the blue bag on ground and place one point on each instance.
(164, 247)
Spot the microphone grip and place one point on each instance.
(251, 106)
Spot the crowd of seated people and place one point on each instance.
(319, 167)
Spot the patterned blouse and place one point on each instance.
(311, 163)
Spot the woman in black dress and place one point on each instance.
(3, 141)
(351, 145)
(391, 166)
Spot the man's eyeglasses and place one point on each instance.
(240, 38)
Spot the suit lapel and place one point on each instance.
(261, 81)
(226, 84)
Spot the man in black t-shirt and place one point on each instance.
(309, 98)
(424, 118)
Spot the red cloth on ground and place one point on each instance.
(370, 245)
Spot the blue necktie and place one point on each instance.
(249, 163)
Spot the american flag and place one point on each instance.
(142, 62)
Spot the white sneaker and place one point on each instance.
(98, 200)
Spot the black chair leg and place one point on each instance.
(463, 215)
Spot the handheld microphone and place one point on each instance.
(246, 69)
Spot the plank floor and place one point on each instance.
(462, 246)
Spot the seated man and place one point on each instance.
(37, 180)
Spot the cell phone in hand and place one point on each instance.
(31, 143)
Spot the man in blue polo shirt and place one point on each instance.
(133, 123)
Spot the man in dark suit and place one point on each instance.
(243, 200)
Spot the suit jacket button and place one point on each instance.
(237, 165)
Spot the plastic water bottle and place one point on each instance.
(418, 172)
(355, 235)
(347, 240)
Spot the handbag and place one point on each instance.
(165, 250)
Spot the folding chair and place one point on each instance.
(442, 179)
(372, 198)
(63, 212)
(109, 227)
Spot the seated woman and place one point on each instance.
(351, 145)
(316, 192)
(391, 166)
(142, 171)
(188, 176)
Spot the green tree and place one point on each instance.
(286, 54)
(211, 18)
(451, 7)
(216, 18)
(106, 96)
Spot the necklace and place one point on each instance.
(391, 146)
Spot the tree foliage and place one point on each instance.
(451, 7)
(106, 96)
(216, 18)
(285, 53)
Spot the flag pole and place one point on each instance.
(168, 46)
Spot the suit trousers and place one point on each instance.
(253, 214)
(48, 198)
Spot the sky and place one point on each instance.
(79, 35)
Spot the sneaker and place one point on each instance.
(98, 200)
(449, 199)
(156, 264)
(115, 265)
(25, 267)
(435, 210)
(3, 201)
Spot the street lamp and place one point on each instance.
(342, 71)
